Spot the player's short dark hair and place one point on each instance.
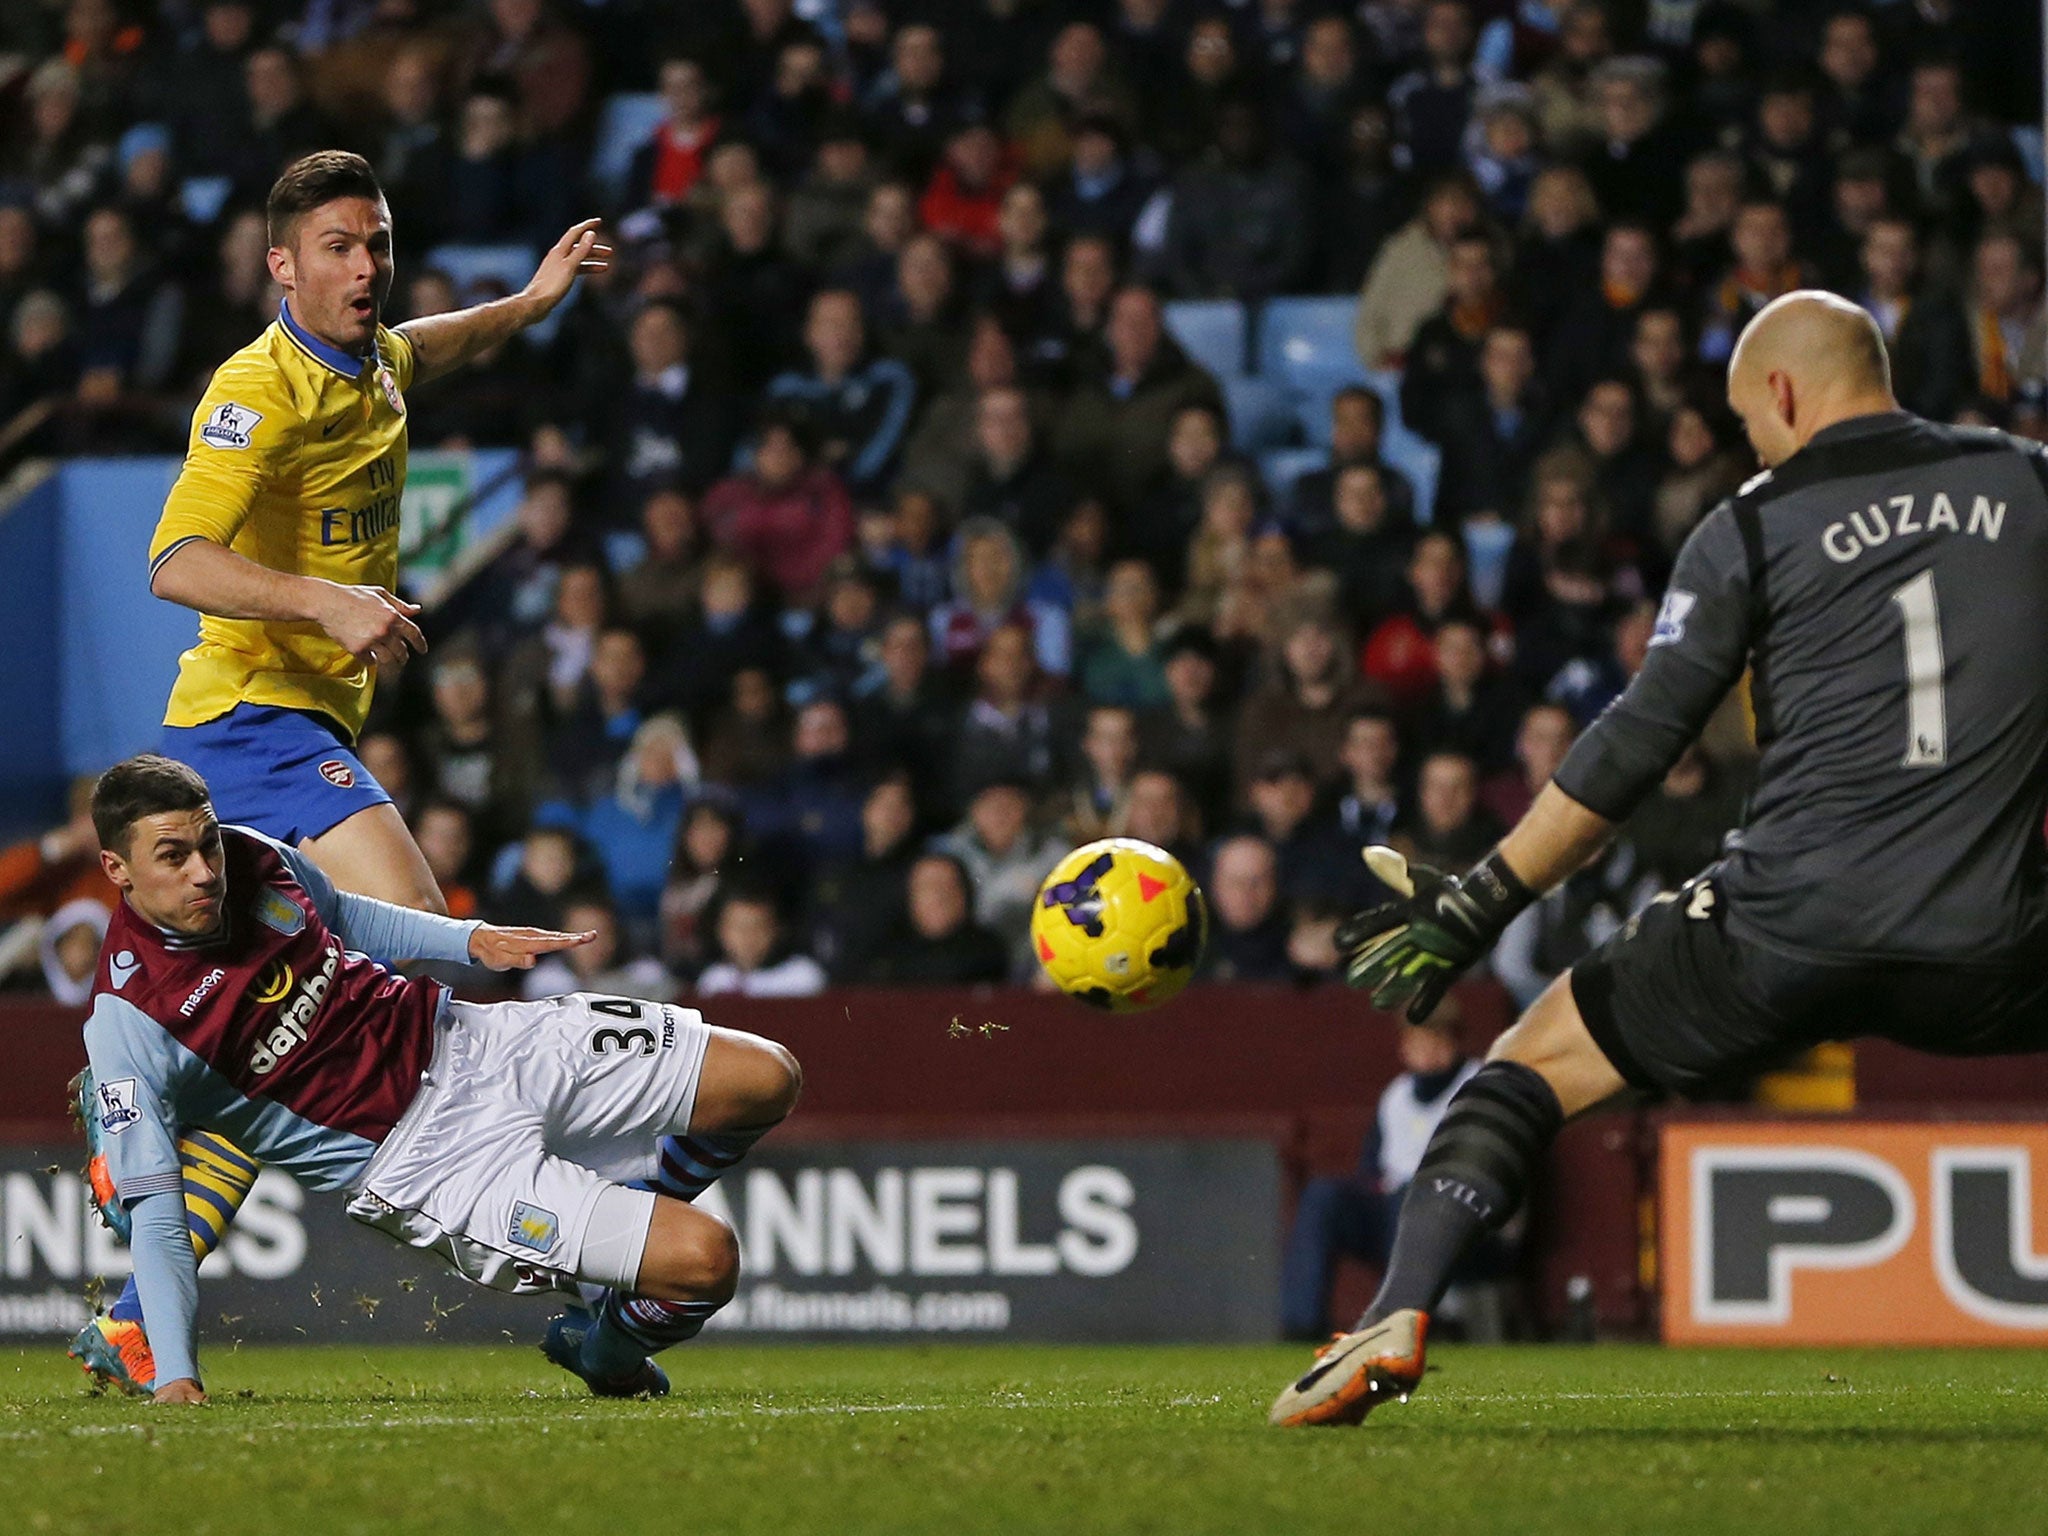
(144, 785)
(313, 181)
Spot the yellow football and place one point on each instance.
(1120, 925)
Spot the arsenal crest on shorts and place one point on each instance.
(338, 773)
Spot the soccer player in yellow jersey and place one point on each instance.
(282, 530)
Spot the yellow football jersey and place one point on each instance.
(297, 462)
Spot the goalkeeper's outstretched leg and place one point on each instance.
(1472, 1178)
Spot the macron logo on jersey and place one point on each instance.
(229, 426)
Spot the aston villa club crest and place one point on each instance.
(388, 382)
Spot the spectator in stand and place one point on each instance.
(657, 593)
(1011, 479)
(940, 453)
(1541, 741)
(1443, 359)
(1491, 435)
(1764, 269)
(1240, 225)
(787, 518)
(1557, 254)
(1852, 105)
(1307, 701)
(1559, 929)
(2005, 317)
(1473, 710)
(1363, 205)
(1366, 549)
(42, 874)
(1017, 282)
(1123, 662)
(1700, 468)
(821, 225)
(413, 152)
(903, 714)
(1861, 192)
(604, 965)
(128, 315)
(1102, 190)
(747, 742)
(1714, 184)
(442, 830)
(667, 167)
(1006, 860)
(784, 121)
(755, 291)
(913, 106)
(888, 222)
(60, 161)
(1357, 422)
(548, 872)
(731, 631)
(706, 848)
(1115, 426)
(230, 309)
(857, 407)
(543, 676)
(673, 426)
(1660, 365)
(389, 760)
(808, 813)
(1248, 927)
(1433, 102)
(633, 824)
(2001, 199)
(1565, 105)
(1189, 736)
(1408, 281)
(1314, 862)
(41, 366)
(1324, 91)
(1369, 803)
(1398, 655)
(1924, 330)
(963, 202)
(1936, 134)
(1501, 149)
(755, 955)
(988, 594)
(1451, 829)
(857, 902)
(939, 944)
(1592, 336)
(1009, 730)
(1631, 166)
(588, 732)
(1624, 467)
(1173, 507)
(926, 320)
(1077, 79)
(1098, 801)
(483, 763)
(1161, 814)
(1074, 575)
(839, 642)
(1072, 345)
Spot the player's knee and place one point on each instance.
(710, 1262)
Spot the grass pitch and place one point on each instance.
(971, 1439)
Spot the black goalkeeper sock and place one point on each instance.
(1470, 1181)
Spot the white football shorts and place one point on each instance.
(529, 1113)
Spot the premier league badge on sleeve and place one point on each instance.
(117, 1106)
(229, 426)
(388, 382)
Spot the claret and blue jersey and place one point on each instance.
(281, 1032)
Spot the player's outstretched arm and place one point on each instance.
(368, 622)
(1408, 951)
(443, 343)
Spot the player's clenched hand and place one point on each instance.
(1407, 952)
(515, 949)
(183, 1390)
(372, 624)
(577, 251)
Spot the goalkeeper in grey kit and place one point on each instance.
(1885, 584)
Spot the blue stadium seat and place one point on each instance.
(1212, 332)
(2027, 136)
(624, 123)
(1281, 467)
(1261, 416)
(1305, 342)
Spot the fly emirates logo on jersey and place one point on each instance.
(298, 1008)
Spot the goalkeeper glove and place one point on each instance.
(1408, 952)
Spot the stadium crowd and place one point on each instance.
(890, 522)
